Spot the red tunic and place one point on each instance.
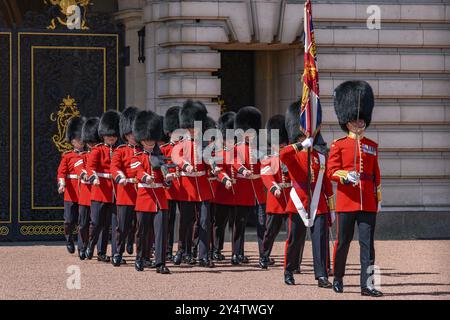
(249, 191)
(67, 174)
(175, 191)
(275, 176)
(98, 164)
(297, 164)
(150, 197)
(222, 195)
(84, 198)
(121, 166)
(365, 196)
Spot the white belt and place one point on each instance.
(104, 175)
(193, 174)
(252, 177)
(150, 185)
(72, 176)
(285, 185)
(212, 178)
(85, 182)
(131, 180)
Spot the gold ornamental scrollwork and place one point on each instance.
(67, 111)
(68, 13)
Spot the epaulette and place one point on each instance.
(138, 153)
(120, 146)
(340, 138)
(99, 144)
(82, 152)
(164, 145)
(371, 141)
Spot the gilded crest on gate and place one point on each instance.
(67, 111)
(71, 13)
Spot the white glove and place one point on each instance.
(277, 193)
(228, 185)
(61, 189)
(307, 143)
(353, 177)
(379, 206)
(189, 169)
(332, 217)
(122, 180)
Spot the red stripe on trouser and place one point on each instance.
(327, 228)
(287, 240)
(336, 243)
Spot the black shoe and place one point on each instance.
(82, 254)
(189, 259)
(178, 258)
(218, 256)
(130, 248)
(338, 286)
(235, 260)
(89, 253)
(371, 292)
(298, 271)
(162, 269)
(271, 261)
(206, 263)
(323, 282)
(148, 263)
(103, 258)
(169, 256)
(116, 260)
(263, 262)
(289, 278)
(243, 259)
(194, 252)
(139, 265)
(70, 246)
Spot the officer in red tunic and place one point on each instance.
(174, 192)
(102, 190)
(68, 179)
(89, 136)
(249, 188)
(222, 205)
(123, 176)
(319, 206)
(151, 203)
(353, 165)
(278, 184)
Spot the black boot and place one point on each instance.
(130, 248)
(289, 278)
(206, 263)
(82, 254)
(169, 256)
(243, 259)
(217, 255)
(263, 262)
(162, 269)
(338, 286)
(178, 258)
(189, 259)
(235, 260)
(194, 252)
(70, 246)
(116, 260)
(371, 292)
(323, 282)
(103, 258)
(139, 265)
(90, 251)
(297, 271)
(148, 263)
(271, 261)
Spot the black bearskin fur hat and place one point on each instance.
(277, 122)
(248, 118)
(89, 132)
(172, 119)
(126, 121)
(74, 127)
(292, 122)
(147, 126)
(109, 124)
(190, 112)
(226, 121)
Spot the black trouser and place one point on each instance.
(345, 227)
(123, 224)
(70, 219)
(239, 217)
(113, 228)
(99, 227)
(187, 212)
(132, 231)
(171, 229)
(320, 246)
(146, 223)
(294, 243)
(221, 217)
(83, 227)
(260, 211)
(196, 229)
(274, 222)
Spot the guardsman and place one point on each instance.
(250, 196)
(151, 203)
(222, 205)
(102, 190)
(174, 193)
(320, 205)
(278, 184)
(68, 179)
(125, 181)
(89, 136)
(353, 164)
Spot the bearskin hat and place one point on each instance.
(74, 127)
(277, 122)
(89, 132)
(172, 119)
(126, 121)
(190, 112)
(147, 126)
(109, 124)
(164, 137)
(226, 121)
(248, 118)
(346, 102)
(210, 123)
(292, 122)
